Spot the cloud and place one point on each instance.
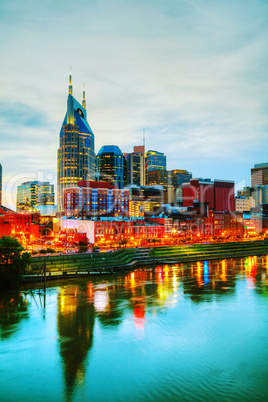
(192, 74)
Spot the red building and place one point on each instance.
(113, 230)
(12, 223)
(149, 231)
(219, 195)
(119, 230)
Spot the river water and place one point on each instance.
(190, 332)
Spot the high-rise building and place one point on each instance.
(259, 175)
(181, 176)
(76, 157)
(110, 165)
(32, 194)
(162, 178)
(136, 167)
(154, 161)
(145, 200)
(260, 195)
(0, 184)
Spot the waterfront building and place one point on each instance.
(259, 175)
(0, 184)
(110, 165)
(228, 224)
(154, 160)
(32, 194)
(92, 199)
(219, 195)
(76, 157)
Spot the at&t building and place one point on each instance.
(76, 157)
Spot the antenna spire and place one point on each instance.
(84, 97)
(70, 83)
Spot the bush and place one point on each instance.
(13, 262)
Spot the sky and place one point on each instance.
(191, 74)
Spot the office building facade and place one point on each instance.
(76, 157)
(92, 199)
(135, 167)
(154, 160)
(259, 175)
(110, 165)
(162, 178)
(32, 194)
(181, 176)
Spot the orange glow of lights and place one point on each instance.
(199, 273)
(223, 270)
(132, 279)
(166, 270)
(90, 290)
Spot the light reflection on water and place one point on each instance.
(187, 332)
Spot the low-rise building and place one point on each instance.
(243, 203)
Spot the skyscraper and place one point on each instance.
(0, 184)
(136, 167)
(110, 165)
(76, 157)
(154, 161)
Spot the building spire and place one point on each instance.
(84, 98)
(70, 102)
(70, 83)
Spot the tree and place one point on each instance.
(83, 246)
(13, 262)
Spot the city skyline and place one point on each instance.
(193, 77)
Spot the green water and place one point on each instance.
(190, 332)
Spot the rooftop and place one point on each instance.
(110, 149)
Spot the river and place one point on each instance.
(188, 332)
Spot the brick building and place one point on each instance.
(219, 195)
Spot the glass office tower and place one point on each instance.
(76, 157)
(110, 165)
(32, 194)
(154, 161)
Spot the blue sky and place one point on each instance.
(191, 73)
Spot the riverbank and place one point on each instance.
(64, 266)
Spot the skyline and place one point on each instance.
(191, 75)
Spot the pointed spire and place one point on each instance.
(70, 102)
(84, 98)
(70, 83)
